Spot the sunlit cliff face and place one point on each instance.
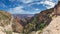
(58, 8)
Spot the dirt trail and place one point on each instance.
(53, 27)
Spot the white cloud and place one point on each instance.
(19, 10)
(16, 10)
(27, 1)
(44, 2)
(37, 9)
(24, 1)
(50, 3)
(12, 0)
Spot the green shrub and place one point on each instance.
(33, 26)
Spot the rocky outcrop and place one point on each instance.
(17, 25)
(54, 26)
(57, 9)
(8, 24)
(5, 22)
(39, 21)
(43, 19)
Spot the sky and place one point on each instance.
(26, 6)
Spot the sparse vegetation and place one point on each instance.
(33, 26)
(8, 32)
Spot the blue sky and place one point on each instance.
(26, 6)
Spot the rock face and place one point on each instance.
(54, 26)
(45, 15)
(17, 25)
(46, 18)
(39, 21)
(9, 25)
(5, 21)
(57, 9)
